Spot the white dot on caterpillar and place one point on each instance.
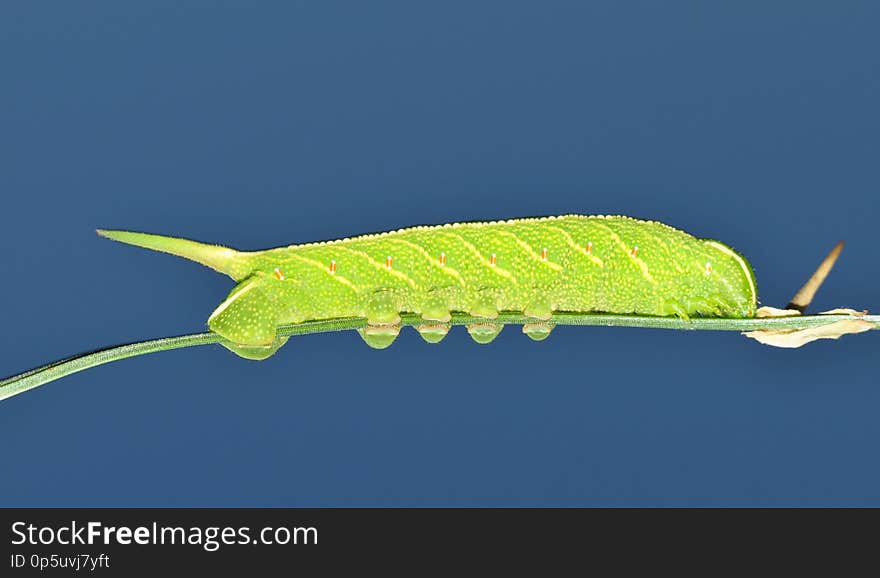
(634, 252)
(388, 262)
(442, 259)
(332, 267)
(544, 254)
(708, 267)
(278, 274)
(493, 260)
(589, 248)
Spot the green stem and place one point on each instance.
(56, 370)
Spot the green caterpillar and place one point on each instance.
(536, 266)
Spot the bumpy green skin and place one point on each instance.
(571, 263)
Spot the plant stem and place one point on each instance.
(34, 378)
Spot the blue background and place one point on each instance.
(260, 124)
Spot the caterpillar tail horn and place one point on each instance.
(222, 259)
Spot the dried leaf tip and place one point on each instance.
(805, 294)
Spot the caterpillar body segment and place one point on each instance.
(537, 266)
